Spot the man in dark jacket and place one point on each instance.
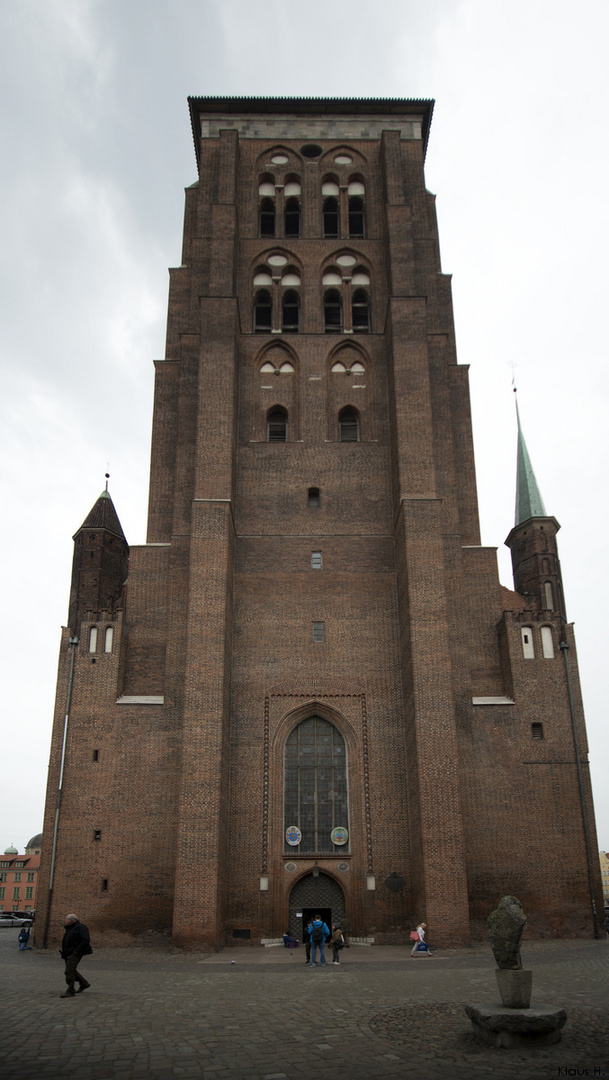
(76, 944)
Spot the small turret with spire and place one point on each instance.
(100, 563)
(532, 541)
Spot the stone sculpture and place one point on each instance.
(505, 926)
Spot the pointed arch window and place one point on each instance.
(277, 426)
(263, 312)
(315, 786)
(348, 425)
(333, 312)
(290, 312)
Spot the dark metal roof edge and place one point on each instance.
(363, 105)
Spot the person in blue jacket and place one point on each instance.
(318, 934)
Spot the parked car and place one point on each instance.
(10, 918)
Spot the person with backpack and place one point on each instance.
(319, 934)
(337, 942)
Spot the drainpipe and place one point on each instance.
(73, 643)
(565, 651)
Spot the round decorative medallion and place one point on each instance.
(290, 867)
(293, 835)
(339, 835)
(342, 866)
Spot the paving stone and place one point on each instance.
(182, 1018)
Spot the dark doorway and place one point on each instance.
(324, 913)
(320, 895)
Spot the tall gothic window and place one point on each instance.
(333, 312)
(315, 798)
(263, 312)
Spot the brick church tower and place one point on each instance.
(312, 691)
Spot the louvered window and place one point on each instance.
(290, 312)
(277, 427)
(267, 217)
(292, 218)
(348, 426)
(356, 216)
(360, 308)
(331, 216)
(333, 312)
(263, 312)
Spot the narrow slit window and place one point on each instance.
(356, 216)
(263, 312)
(333, 312)
(316, 560)
(537, 731)
(292, 218)
(348, 426)
(93, 639)
(104, 885)
(548, 595)
(277, 426)
(331, 217)
(109, 639)
(97, 834)
(319, 631)
(290, 312)
(96, 755)
(314, 498)
(267, 217)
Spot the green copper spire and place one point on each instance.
(529, 503)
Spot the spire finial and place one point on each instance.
(107, 478)
(529, 503)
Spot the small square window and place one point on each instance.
(314, 497)
(104, 886)
(97, 834)
(316, 560)
(319, 631)
(537, 731)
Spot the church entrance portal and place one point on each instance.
(315, 896)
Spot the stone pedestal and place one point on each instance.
(502, 1026)
(515, 987)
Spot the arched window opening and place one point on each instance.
(348, 426)
(267, 217)
(331, 229)
(291, 225)
(549, 595)
(315, 792)
(360, 308)
(313, 498)
(333, 312)
(528, 648)
(263, 312)
(109, 639)
(356, 216)
(93, 639)
(277, 426)
(547, 642)
(290, 312)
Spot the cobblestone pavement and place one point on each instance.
(265, 1016)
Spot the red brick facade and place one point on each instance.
(176, 733)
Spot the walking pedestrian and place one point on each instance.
(76, 944)
(345, 926)
(337, 942)
(420, 944)
(319, 935)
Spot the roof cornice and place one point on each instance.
(312, 106)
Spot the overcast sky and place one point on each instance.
(97, 150)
